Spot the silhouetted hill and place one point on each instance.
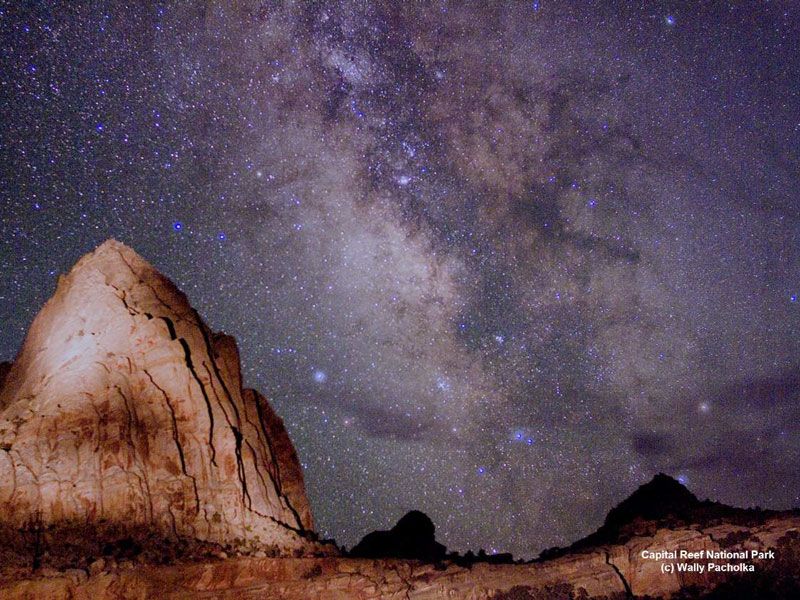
(413, 537)
(660, 497)
(662, 502)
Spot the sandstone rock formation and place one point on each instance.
(611, 572)
(123, 413)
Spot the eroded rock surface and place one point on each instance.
(616, 571)
(123, 411)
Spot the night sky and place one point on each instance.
(499, 262)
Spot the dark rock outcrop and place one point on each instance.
(661, 497)
(5, 367)
(412, 538)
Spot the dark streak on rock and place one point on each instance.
(188, 356)
(628, 592)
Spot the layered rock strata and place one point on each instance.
(615, 571)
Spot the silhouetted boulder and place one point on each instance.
(412, 538)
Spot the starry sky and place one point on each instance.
(498, 262)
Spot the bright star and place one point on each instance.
(320, 376)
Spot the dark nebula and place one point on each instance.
(498, 262)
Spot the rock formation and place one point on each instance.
(662, 504)
(413, 537)
(134, 465)
(124, 413)
(661, 497)
(611, 572)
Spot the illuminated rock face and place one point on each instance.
(123, 408)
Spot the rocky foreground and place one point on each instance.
(614, 571)
(133, 464)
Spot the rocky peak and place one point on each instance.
(124, 409)
(660, 497)
(413, 537)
